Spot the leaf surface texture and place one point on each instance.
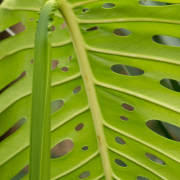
(88, 48)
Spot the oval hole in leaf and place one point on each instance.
(54, 64)
(77, 90)
(32, 60)
(13, 129)
(142, 178)
(22, 173)
(53, 28)
(84, 175)
(93, 28)
(85, 10)
(120, 141)
(23, 74)
(12, 31)
(126, 70)
(156, 3)
(64, 69)
(155, 159)
(62, 149)
(171, 84)
(31, 19)
(56, 105)
(85, 148)
(127, 107)
(166, 40)
(108, 5)
(18, 28)
(120, 163)
(79, 127)
(164, 129)
(124, 118)
(63, 25)
(122, 32)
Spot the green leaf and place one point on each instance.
(105, 94)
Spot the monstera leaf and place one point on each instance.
(104, 113)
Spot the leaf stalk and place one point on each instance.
(41, 96)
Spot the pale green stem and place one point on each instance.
(41, 96)
(66, 10)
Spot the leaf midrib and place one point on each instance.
(81, 52)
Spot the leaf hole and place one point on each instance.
(85, 148)
(32, 61)
(77, 90)
(64, 69)
(54, 64)
(22, 173)
(108, 5)
(93, 28)
(156, 3)
(120, 163)
(18, 28)
(63, 25)
(126, 70)
(23, 74)
(13, 129)
(164, 129)
(121, 32)
(84, 175)
(12, 31)
(124, 118)
(142, 178)
(85, 10)
(4, 35)
(155, 159)
(79, 127)
(171, 84)
(127, 107)
(53, 28)
(31, 19)
(120, 141)
(166, 40)
(56, 106)
(61, 149)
